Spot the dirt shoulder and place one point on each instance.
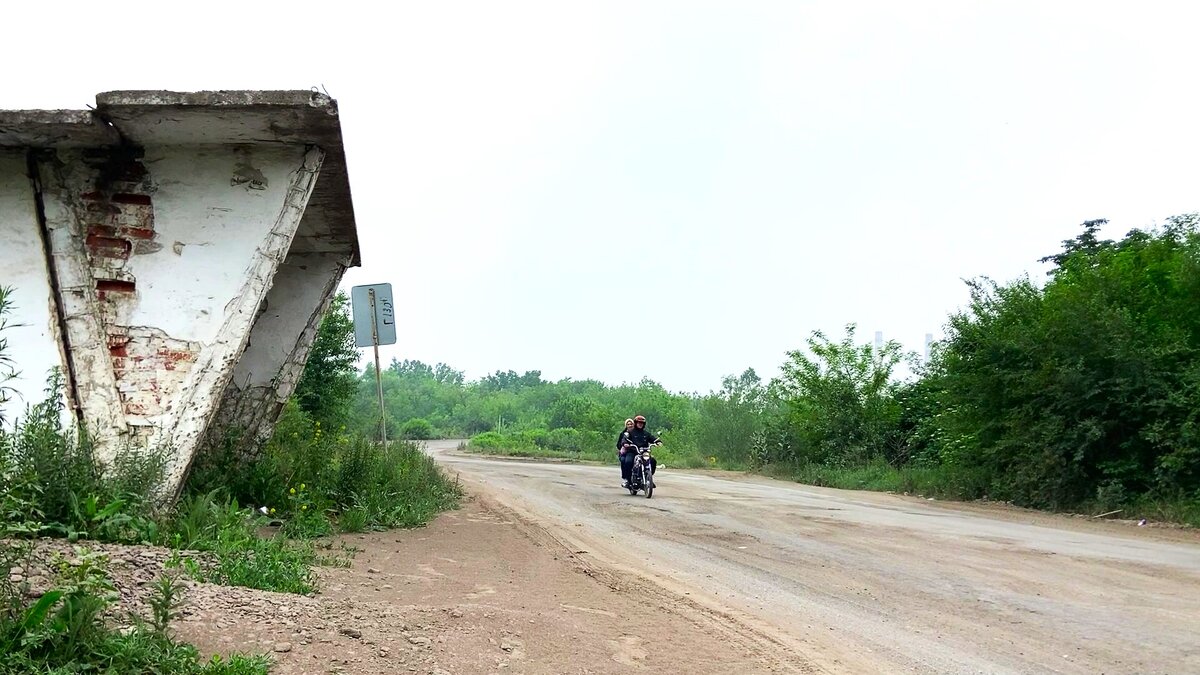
(477, 591)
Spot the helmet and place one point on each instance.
(639, 418)
(629, 421)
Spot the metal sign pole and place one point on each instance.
(378, 375)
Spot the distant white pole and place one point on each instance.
(928, 346)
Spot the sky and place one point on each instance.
(681, 190)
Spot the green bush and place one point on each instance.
(494, 440)
(416, 429)
(565, 439)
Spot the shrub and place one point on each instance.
(416, 429)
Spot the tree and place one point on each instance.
(327, 387)
(411, 369)
(1086, 245)
(840, 398)
(730, 418)
(444, 374)
(1088, 388)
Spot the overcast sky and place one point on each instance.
(681, 190)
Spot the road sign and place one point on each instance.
(374, 315)
(374, 325)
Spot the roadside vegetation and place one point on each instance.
(248, 519)
(1077, 392)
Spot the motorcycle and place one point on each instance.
(642, 478)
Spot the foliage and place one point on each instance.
(56, 485)
(240, 555)
(326, 389)
(311, 478)
(416, 429)
(1087, 388)
(8, 368)
(64, 630)
(729, 419)
(840, 399)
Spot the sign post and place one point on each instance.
(374, 325)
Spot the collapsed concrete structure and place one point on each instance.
(172, 253)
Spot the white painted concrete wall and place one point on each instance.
(238, 296)
(215, 227)
(154, 364)
(32, 334)
(273, 362)
(297, 294)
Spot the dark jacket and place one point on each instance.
(641, 438)
(623, 439)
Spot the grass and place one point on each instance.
(931, 481)
(317, 481)
(949, 483)
(64, 630)
(543, 453)
(1180, 510)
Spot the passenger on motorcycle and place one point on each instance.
(628, 443)
(622, 444)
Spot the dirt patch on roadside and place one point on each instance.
(480, 590)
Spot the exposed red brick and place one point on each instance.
(114, 286)
(118, 349)
(118, 198)
(102, 230)
(111, 247)
(138, 232)
(102, 207)
(129, 198)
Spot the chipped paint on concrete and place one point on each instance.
(150, 368)
(64, 179)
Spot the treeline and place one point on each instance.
(1082, 391)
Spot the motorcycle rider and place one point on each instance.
(622, 446)
(628, 444)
